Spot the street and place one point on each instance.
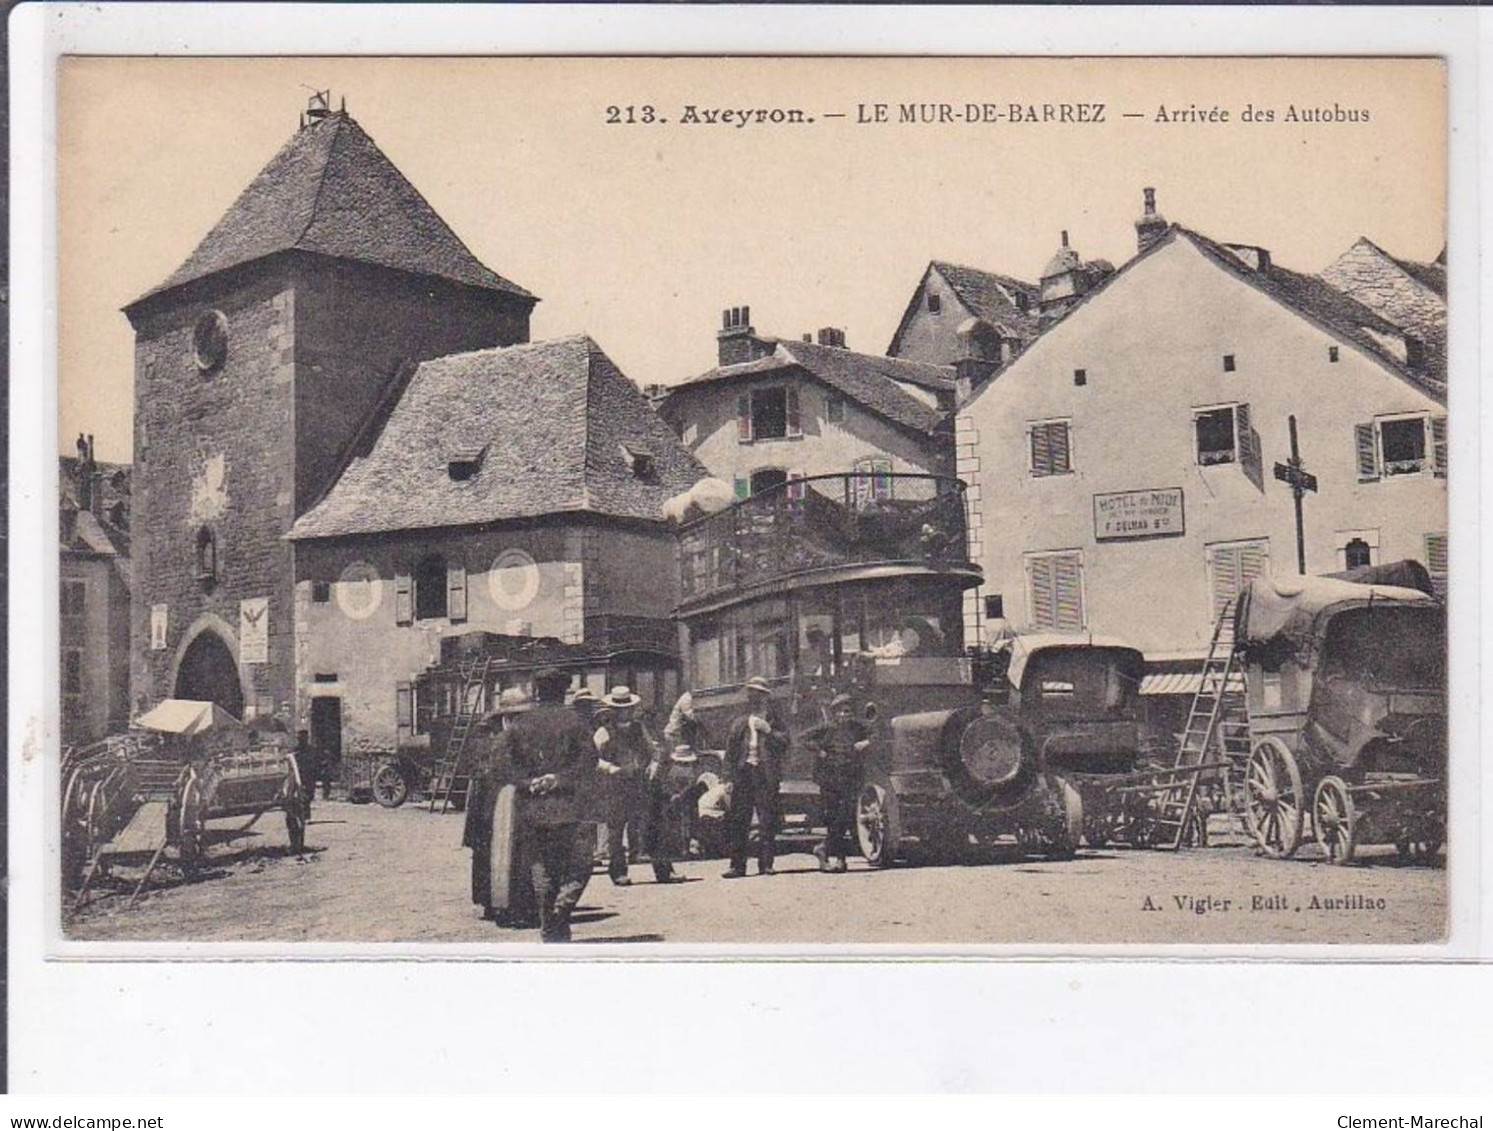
(374, 875)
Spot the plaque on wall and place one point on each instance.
(158, 617)
(254, 630)
(1152, 513)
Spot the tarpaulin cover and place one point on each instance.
(1023, 648)
(1287, 608)
(1406, 574)
(186, 716)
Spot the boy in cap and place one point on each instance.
(755, 748)
(839, 746)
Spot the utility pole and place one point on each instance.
(1301, 481)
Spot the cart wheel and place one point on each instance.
(1066, 828)
(878, 823)
(295, 826)
(1272, 798)
(190, 850)
(1335, 819)
(389, 787)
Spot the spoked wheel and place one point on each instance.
(1066, 829)
(1335, 819)
(878, 824)
(1272, 798)
(389, 787)
(191, 849)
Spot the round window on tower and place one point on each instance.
(210, 340)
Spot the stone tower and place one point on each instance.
(260, 366)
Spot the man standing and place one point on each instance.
(838, 745)
(552, 754)
(492, 772)
(631, 750)
(755, 748)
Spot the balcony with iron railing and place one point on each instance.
(825, 525)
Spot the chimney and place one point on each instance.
(829, 336)
(84, 474)
(1151, 226)
(318, 107)
(736, 341)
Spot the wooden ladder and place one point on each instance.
(448, 783)
(1218, 712)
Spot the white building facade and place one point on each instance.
(1121, 469)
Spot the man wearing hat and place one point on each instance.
(553, 757)
(838, 745)
(492, 769)
(755, 748)
(631, 750)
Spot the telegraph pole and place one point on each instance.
(1301, 481)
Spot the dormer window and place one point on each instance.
(464, 463)
(640, 461)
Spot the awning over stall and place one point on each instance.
(186, 716)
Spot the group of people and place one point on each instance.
(545, 771)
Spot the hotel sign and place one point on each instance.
(1155, 513)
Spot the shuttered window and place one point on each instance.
(1055, 591)
(795, 425)
(744, 418)
(1052, 453)
(1438, 445)
(456, 592)
(404, 709)
(404, 600)
(1232, 566)
(873, 480)
(1436, 563)
(1366, 447)
(1251, 462)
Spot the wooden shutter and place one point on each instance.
(1224, 568)
(743, 487)
(1368, 452)
(1044, 605)
(456, 592)
(744, 419)
(795, 426)
(404, 603)
(1067, 576)
(1438, 445)
(404, 709)
(795, 485)
(1057, 444)
(1436, 563)
(881, 483)
(1041, 450)
(1250, 458)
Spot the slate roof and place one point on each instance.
(330, 190)
(92, 534)
(867, 379)
(1432, 276)
(550, 420)
(984, 293)
(1330, 308)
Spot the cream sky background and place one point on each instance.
(639, 235)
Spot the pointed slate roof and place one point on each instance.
(330, 190)
(985, 294)
(549, 425)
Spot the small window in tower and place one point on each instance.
(1332, 353)
(210, 340)
(321, 592)
(1228, 363)
(935, 303)
(1080, 377)
(207, 556)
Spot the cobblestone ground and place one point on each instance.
(376, 875)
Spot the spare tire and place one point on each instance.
(988, 760)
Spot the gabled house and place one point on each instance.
(959, 312)
(1410, 294)
(776, 409)
(1122, 467)
(515, 491)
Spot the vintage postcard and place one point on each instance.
(754, 501)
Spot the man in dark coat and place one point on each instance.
(553, 757)
(492, 769)
(838, 745)
(755, 748)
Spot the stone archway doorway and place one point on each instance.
(208, 671)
